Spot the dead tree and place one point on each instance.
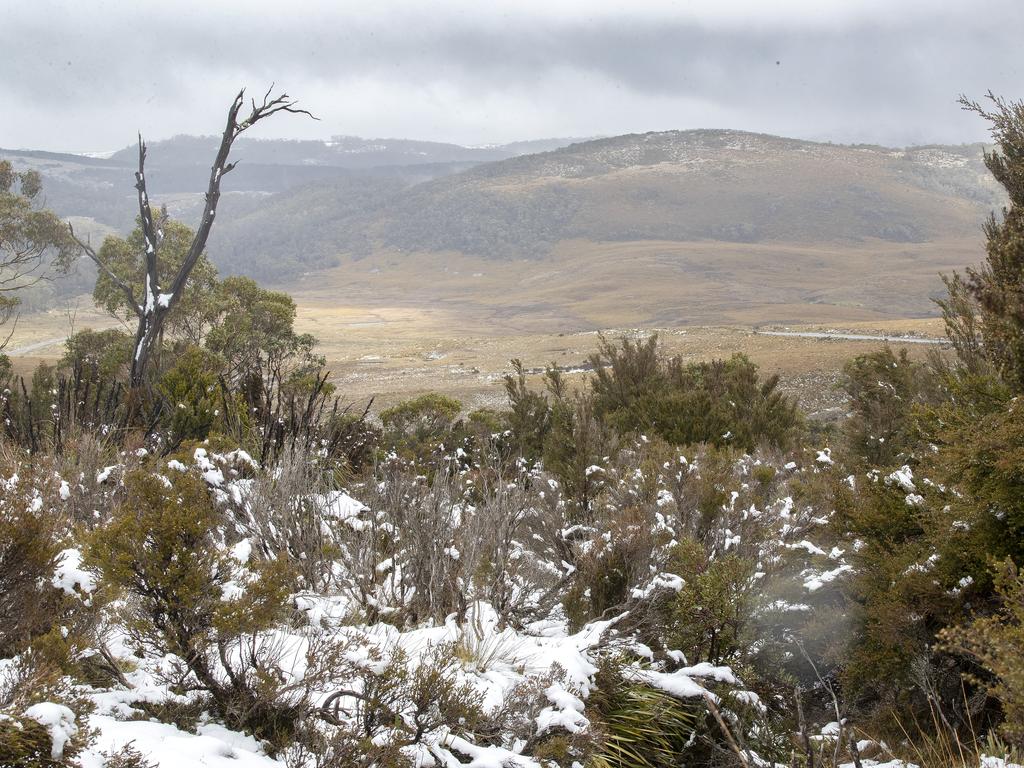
(157, 302)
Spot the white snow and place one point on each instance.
(815, 583)
(59, 722)
(166, 746)
(69, 575)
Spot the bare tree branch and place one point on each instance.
(91, 253)
(159, 304)
(14, 327)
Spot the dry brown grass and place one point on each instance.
(395, 325)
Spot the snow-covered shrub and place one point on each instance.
(187, 597)
(126, 757)
(286, 512)
(421, 548)
(398, 705)
(576, 444)
(401, 557)
(511, 542)
(40, 738)
(42, 719)
(611, 565)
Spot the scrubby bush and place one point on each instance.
(724, 402)
(187, 596)
(576, 446)
(996, 642)
(529, 416)
(31, 536)
(191, 393)
(711, 617)
(102, 355)
(417, 428)
(884, 388)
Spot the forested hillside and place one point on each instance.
(715, 186)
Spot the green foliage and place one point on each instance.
(24, 743)
(485, 422)
(417, 427)
(188, 597)
(627, 374)
(160, 547)
(924, 554)
(723, 402)
(30, 541)
(641, 727)
(609, 568)
(711, 616)
(575, 447)
(985, 311)
(103, 355)
(883, 389)
(190, 391)
(981, 450)
(33, 240)
(252, 330)
(925, 537)
(996, 642)
(529, 416)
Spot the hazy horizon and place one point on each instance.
(86, 79)
(106, 153)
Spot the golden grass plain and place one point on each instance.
(395, 325)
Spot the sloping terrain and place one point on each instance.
(100, 185)
(673, 228)
(660, 228)
(724, 186)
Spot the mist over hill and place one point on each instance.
(336, 152)
(295, 207)
(101, 185)
(682, 186)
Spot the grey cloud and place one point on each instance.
(891, 78)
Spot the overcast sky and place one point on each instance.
(86, 75)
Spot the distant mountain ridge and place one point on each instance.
(709, 201)
(682, 186)
(338, 152)
(101, 185)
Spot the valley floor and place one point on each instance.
(391, 353)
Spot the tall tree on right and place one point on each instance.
(984, 312)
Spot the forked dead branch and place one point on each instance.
(157, 303)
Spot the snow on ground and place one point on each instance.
(166, 746)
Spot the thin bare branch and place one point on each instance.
(14, 327)
(149, 232)
(121, 284)
(713, 708)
